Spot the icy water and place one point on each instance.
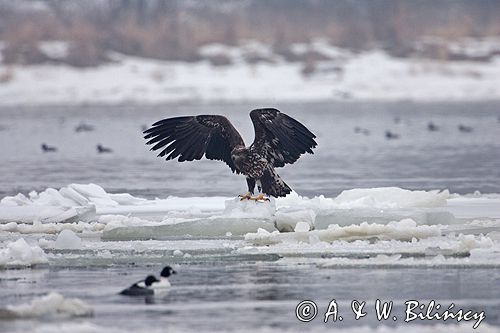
(420, 159)
(255, 296)
(226, 283)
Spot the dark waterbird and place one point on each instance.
(103, 150)
(141, 288)
(150, 284)
(82, 127)
(391, 136)
(48, 149)
(279, 140)
(364, 131)
(431, 127)
(465, 129)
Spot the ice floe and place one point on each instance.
(389, 197)
(67, 239)
(20, 253)
(91, 203)
(358, 224)
(406, 229)
(53, 304)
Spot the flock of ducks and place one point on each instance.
(431, 127)
(82, 127)
(389, 135)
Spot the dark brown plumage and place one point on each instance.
(279, 140)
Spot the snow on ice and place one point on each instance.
(393, 222)
(403, 230)
(67, 239)
(20, 253)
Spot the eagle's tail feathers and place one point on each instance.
(273, 185)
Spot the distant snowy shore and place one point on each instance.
(342, 75)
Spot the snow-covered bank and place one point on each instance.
(370, 75)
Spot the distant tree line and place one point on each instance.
(175, 29)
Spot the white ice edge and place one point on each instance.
(90, 209)
(381, 227)
(20, 253)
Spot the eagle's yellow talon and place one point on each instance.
(261, 198)
(247, 196)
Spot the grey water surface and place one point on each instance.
(248, 296)
(247, 293)
(420, 159)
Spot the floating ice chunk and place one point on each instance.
(406, 229)
(68, 240)
(178, 253)
(473, 207)
(379, 260)
(45, 214)
(53, 197)
(73, 195)
(51, 228)
(295, 201)
(161, 207)
(380, 198)
(20, 253)
(302, 227)
(288, 219)
(237, 208)
(469, 242)
(94, 193)
(51, 304)
(17, 200)
(390, 197)
(344, 217)
(204, 227)
(478, 257)
(485, 254)
(121, 221)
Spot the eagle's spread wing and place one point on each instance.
(191, 137)
(280, 137)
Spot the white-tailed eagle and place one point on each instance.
(279, 140)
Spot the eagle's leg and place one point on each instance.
(251, 187)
